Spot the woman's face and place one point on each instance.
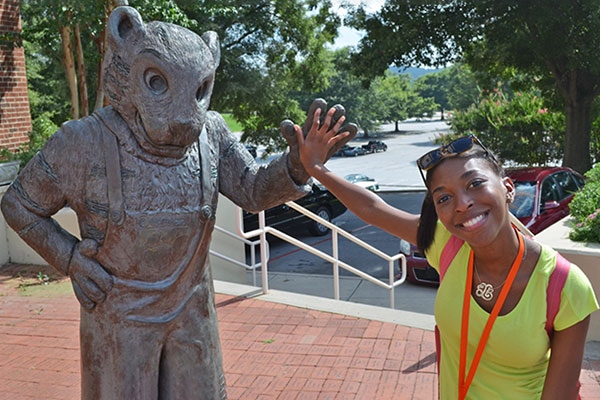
(471, 199)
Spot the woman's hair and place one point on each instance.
(428, 218)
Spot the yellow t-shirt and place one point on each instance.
(515, 359)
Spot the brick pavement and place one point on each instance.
(271, 351)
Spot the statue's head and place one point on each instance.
(159, 77)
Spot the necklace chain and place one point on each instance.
(486, 290)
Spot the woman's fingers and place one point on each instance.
(337, 138)
(316, 119)
(327, 123)
(338, 125)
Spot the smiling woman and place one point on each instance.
(490, 271)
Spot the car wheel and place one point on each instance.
(316, 228)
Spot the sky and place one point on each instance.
(349, 36)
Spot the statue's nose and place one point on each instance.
(179, 125)
(184, 131)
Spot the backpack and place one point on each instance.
(556, 282)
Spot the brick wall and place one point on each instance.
(15, 118)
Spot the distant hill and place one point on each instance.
(415, 72)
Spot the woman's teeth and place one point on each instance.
(473, 221)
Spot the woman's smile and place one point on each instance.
(475, 222)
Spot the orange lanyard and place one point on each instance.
(463, 386)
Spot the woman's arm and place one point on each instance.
(565, 362)
(363, 203)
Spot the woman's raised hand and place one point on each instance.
(315, 147)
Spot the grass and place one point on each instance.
(234, 125)
(33, 280)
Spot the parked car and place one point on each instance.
(542, 197)
(363, 180)
(373, 146)
(340, 152)
(251, 149)
(354, 151)
(320, 201)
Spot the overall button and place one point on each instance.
(207, 211)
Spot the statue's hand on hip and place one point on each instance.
(287, 130)
(90, 280)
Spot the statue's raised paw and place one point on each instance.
(287, 130)
(340, 111)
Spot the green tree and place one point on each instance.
(270, 50)
(436, 86)
(463, 90)
(364, 106)
(394, 91)
(542, 38)
(69, 36)
(518, 127)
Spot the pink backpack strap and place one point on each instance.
(556, 282)
(448, 253)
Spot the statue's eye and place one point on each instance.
(155, 82)
(202, 91)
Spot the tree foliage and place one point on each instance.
(543, 38)
(390, 98)
(453, 88)
(269, 50)
(585, 209)
(520, 128)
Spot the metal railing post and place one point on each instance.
(253, 263)
(392, 288)
(263, 252)
(336, 264)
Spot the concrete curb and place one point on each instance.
(405, 318)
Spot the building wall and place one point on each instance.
(15, 118)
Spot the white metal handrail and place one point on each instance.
(253, 264)
(337, 263)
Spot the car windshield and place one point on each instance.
(524, 202)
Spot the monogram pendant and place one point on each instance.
(485, 291)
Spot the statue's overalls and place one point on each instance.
(162, 313)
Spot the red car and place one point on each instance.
(542, 198)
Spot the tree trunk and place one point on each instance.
(83, 93)
(101, 43)
(101, 100)
(69, 63)
(441, 119)
(577, 137)
(397, 128)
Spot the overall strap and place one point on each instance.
(112, 162)
(448, 253)
(556, 282)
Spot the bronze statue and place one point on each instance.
(143, 176)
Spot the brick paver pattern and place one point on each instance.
(270, 351)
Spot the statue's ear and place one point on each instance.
(212, 41)
(124, 24)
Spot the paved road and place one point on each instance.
(395, 167)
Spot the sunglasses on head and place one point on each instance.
(460, 145)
